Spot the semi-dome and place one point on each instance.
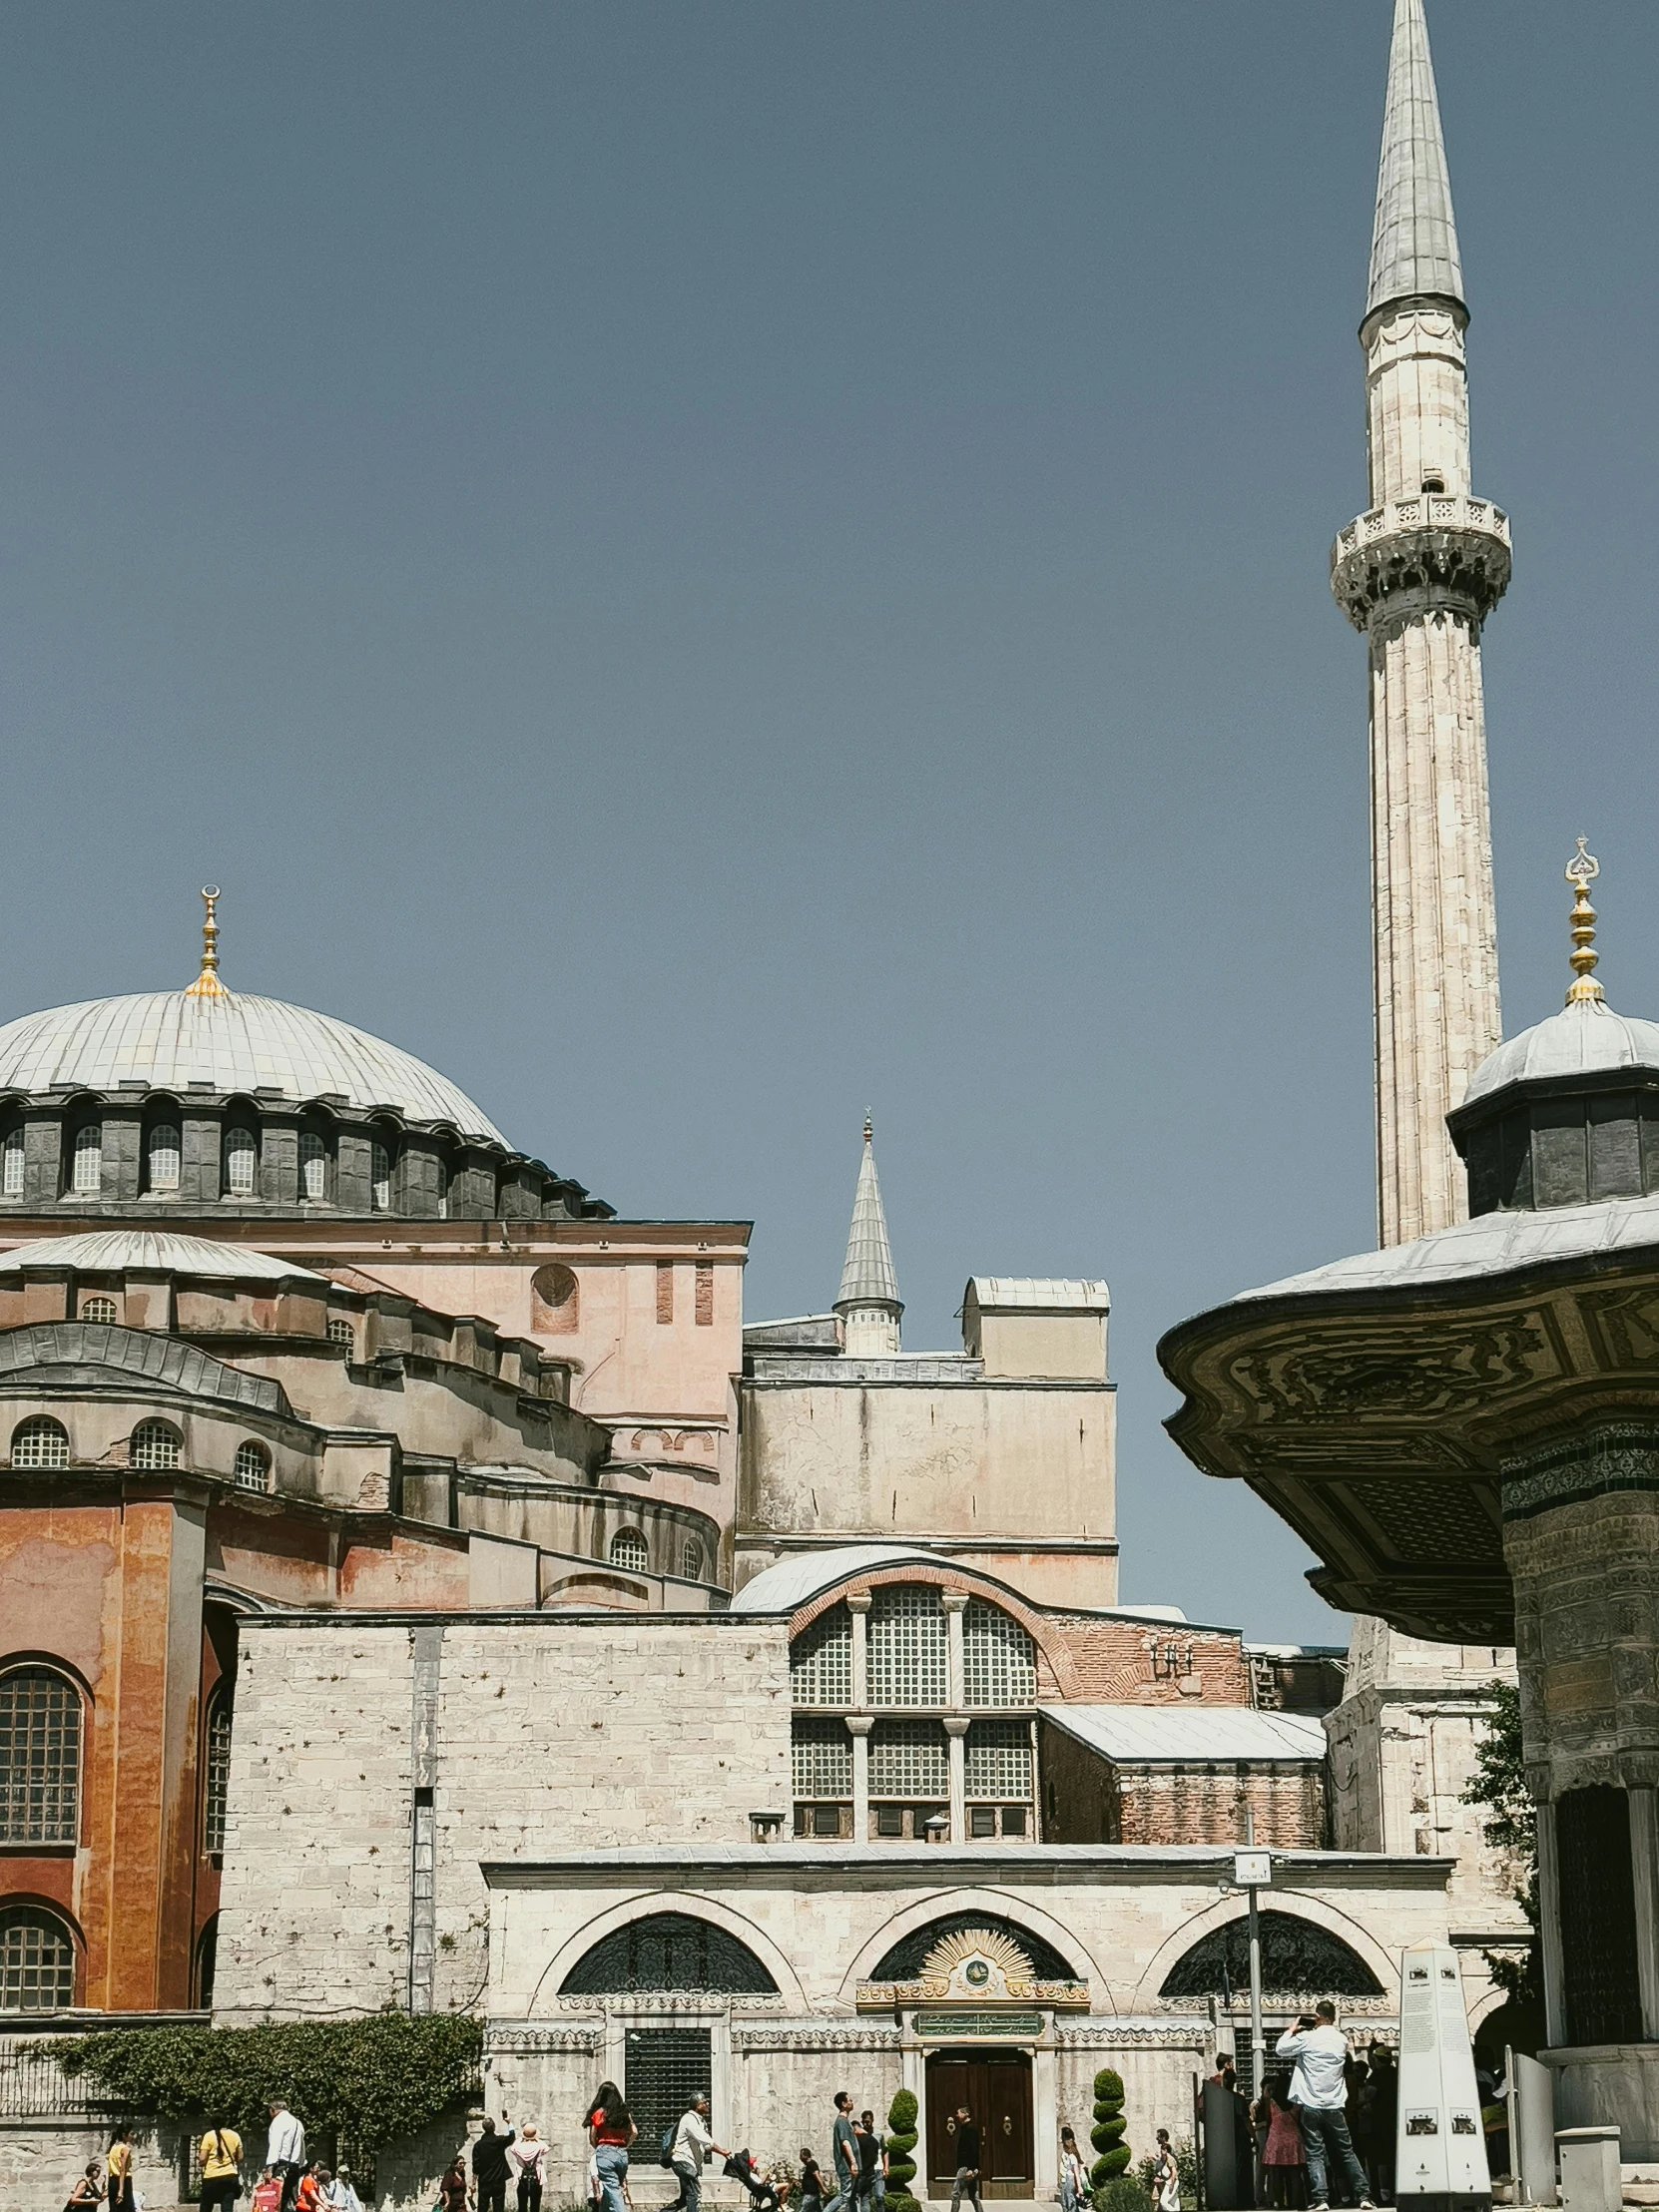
(154, 1252)
(1584, 1038)
(170, 1040)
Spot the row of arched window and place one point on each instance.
(154, 1447)
(631, 1552)
(160, 1174)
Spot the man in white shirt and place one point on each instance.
(692, 2144)
(1319, 2086)
(285, 2149)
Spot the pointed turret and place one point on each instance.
(869, 1305)
(1413, 247)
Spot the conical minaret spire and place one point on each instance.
(1419, 573)
(869, 1305)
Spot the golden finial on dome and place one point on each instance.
(207, 984)
(1581, 872)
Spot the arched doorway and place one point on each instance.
(993, 2085)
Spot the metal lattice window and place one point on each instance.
(908, 1664)
(629, 1551)
(216, 1789)
(314, 1165)
(691, 1560)
(339, 1330)
(999, 1660)
(668, 1951)
(98, 1309)
(37, 1964)
(821, 1660)
(242, 1162)
(909, 1759)
(380, 1179)
(40, 1757)
(11, 1165)
(87, 1174)
(40, 1442)
(998, 1760)
(166, 1152)
(662, 2069)
(153, 1447)
(821, 1759)
(253, 1466)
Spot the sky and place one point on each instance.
(708, 566)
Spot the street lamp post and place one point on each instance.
(1253, 1870)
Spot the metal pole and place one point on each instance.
(1258, 2055)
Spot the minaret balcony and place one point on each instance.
(1437, 553)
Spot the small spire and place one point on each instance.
(869, 1302)
(207, 984)
(1413, 247)
(1581, 872)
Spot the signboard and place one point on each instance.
(1252, 1870)
(981, 2026)
(1440, 2150)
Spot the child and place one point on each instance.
(1074, 2185)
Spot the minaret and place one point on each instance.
(869, 1304)
(1419, 573)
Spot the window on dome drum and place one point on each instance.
(821, 1660)
(379, 1178)
(999, 1660)
(1299, 1959)
(253, 1466)
(821, 1757)
(558, 1302)
(40, 1757)
(160, 1167)
(629, 1551)
(998, 1760)
(909, 1759)
(341, 1332)
(153, 1447)
(11, 1165)
(314, 1166)
(691, 1560)
(668, 1951)
(215, 1774)
(908, 1663)
(37, 1961)
(98, 1309)
(242, 1162)
(86, 1175)
(40, 1442)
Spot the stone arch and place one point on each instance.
(998, 1905)
(1231, 1906)
(544, 1996)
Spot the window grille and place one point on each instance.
(87, 1176)
(380, 1179)
(999, 1660)
(98, 1309)
(37, 1964)
(909, 1759)
(40, 1757)
(11, 1165)
(668, 1951)
(998, 1760)
(907, 1647)
(218, 1781)
(153, 1447)
(1297, 1957)
(629, 1551)
(341, 1332)
(241, 1163)
(691, 1560)
(662, 2069)
(821, 1759)
(253, 1466)
(41, 1443)
(821, 1660)
(166, 1152)
(314, 1165)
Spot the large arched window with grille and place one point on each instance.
(11, 1164)
(40, 1442)
(1299, 1959)
(999, 1660)
(906, 1654)
(40, 1757)
(821, 1660)
(241, 1161)
(630, 1552)
(668, 1951)
(37, 1961)
(153, 1447)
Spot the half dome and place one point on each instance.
(156, 1252)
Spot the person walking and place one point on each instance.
(529, 2159)
(1318, 2087)
(811, 2183)
(966, 2183)
(87, 2190)
(872, 2161)
(1074, 2178)
(691, 2146)
(220, 2151)
(843, 2154)
(453, 2186)
(1166, 2177)
(118, 2168)
(610, 2131)
(285, 2149)
(1284, 2160)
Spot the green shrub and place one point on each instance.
(898, 2201)
(1108, 2130)
(1121, 2196)
(901, 2143)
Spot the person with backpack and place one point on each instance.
(691, 2146)
(610, 2131)
(529, 2159)
(220, 2154)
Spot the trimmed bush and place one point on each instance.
(901, 2144)
(1108, 2130)
(1121, 2196)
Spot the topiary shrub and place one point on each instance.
(1107, 2132)
(901, 2144)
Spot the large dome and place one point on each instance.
(167, 1040)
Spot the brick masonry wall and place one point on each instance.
(1088, 1800)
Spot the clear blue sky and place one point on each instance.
(708, 566)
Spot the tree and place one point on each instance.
(1498, 1784)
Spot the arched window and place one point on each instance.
(153, 1447)
(999, 1660)
(341, 1332)
(241, 1161)
(557, 1302)
(40, 1757)
(908, 1664)
(37, 1961)
(314, 1166)
(40, 1442)
(630, 1552)
(821, 1660)
(207, 1958)
(1299, 1959)
(11, 1164)
(903, 1961)
(216, 1774)
(253, 1466)
(161, 1158)
(100, 1307)
(379, 1177)
(86, 1175)
(691, 1559)
(668, 1951)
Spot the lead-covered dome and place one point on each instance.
(1585, 1038)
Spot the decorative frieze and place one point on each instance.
(1619, 1456)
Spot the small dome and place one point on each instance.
(1585, 1038)
(154, 1252)
(167, 1040)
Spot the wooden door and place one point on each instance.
(995, 2085)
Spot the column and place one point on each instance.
(858, 1606)
(860, 1724)
(957, 1728)
(955, 1605)
(1644, 1869)
(1550, 1925)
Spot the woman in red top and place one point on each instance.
(309, 2196)
(610, 2130)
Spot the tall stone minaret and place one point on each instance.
(1419, 573)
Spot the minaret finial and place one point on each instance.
(207, 984)
(870, 1128)
(1581, 872)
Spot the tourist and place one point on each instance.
(1318, 2089)
(966, 2183)
(267, 2191)
(89, 2189)
(1074, 2175)
(1166, 2177)
(843, 2155)
(691, 2147)
(811, 2183)
(340, 2196)
(307, 2196)
(118, 2166)
(529, 2159)
(872, 2161)
(285, 2149)
(1284, 2159)
(610, 2131)
(1382, 2119)
(220, 2154)
(452, 2189)
(489, 2167)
